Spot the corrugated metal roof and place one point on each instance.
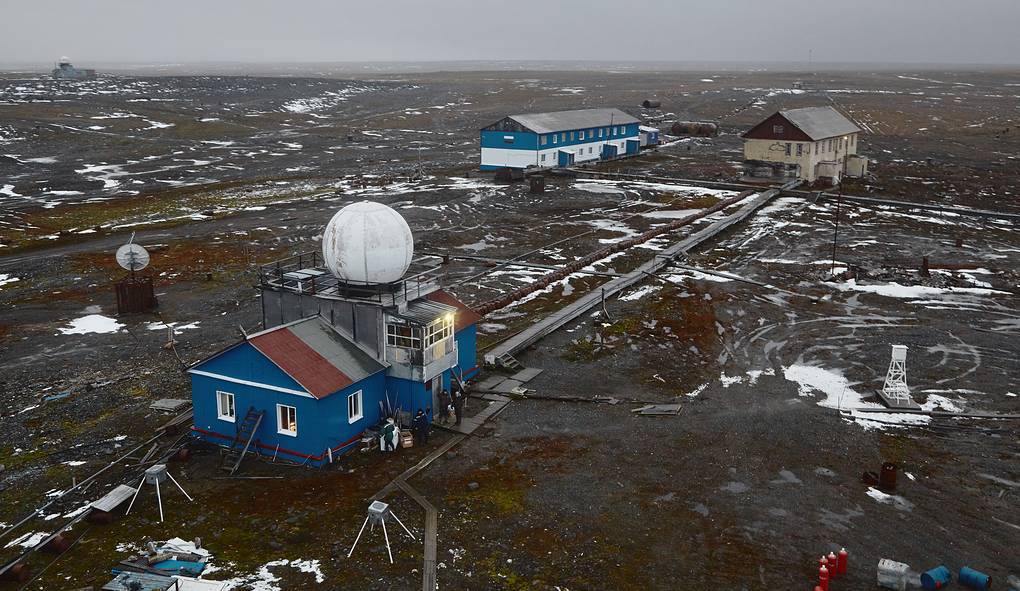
(315, 355)
(465, 315)
(570, 120)
(820, 122)
(425, 311)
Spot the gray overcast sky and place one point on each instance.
(927, 31)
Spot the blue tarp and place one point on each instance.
(180, 567)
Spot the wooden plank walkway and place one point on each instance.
(431, 532)
(468, 425)
(428, 578)
(557, 319)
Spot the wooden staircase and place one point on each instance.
(246, 431)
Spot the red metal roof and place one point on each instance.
(465, 315)
(313, 371)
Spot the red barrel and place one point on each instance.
(831, 565)
(841, 561)
(823, 578)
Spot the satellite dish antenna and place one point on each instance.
(132, 256)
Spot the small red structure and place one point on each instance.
(841, 562)
(823, 577)
(831, 566)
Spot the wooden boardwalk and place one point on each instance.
(557, 319)
(428, 577)
(431, 532)
(468, 425)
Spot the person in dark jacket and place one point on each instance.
(444, 407)
(458, 404)
(428, 424)
(418, 427)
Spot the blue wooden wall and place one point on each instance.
(321, 423)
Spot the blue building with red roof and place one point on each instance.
(335, 359)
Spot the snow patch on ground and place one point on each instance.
(93, 323)
(896, 290)
(639, 293)
(265, 580)
(5, 279)
(894, 500)
(839, 394)
(177, 326)
(29, 540)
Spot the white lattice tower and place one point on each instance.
(895, 387)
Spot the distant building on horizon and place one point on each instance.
(557, 139)
(812, 144)
(65, 71)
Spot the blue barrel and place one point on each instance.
(936, 578)
(974, 579)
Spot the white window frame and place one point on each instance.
(223, 416)
(356, 398)
(544, 139)
(581, 137)
(279, 422)
(554, 139)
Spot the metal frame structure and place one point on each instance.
(306, 273)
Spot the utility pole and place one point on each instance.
(839, 202)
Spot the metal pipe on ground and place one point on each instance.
(575, 266)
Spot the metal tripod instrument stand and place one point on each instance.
(154, 475)
(378, 511)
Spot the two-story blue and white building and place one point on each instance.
(351, 336)
(562, 138)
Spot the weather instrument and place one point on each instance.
(379, 512)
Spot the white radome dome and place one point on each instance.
(367, 242)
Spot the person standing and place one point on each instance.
(389, 436)
(444, 406)
(427, 419)
(418, 427)
(458, 404)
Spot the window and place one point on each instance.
(830, 146)
(816, 148)
(544, 140)
(508, 139)
(788, 148)
(543, 157)
(438, 330)
(581, 136)
(777, 129)
(589, 149)
(286, 420)
(354, 407)
(572, 136)
(563, 137)
(403, 335)
(600, 131)
(225, 406)
(554, 138)
(800, 149)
